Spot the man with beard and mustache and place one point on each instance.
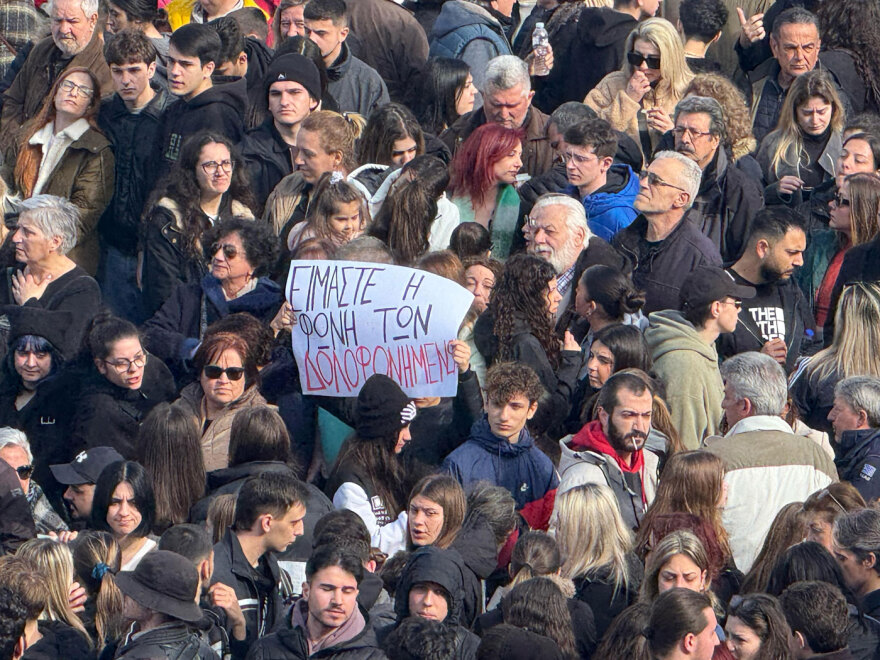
(74, 42)
(766, 465)
(557, 231)
(777, 321)
(611, 449)
(727, 200)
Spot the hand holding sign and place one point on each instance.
(355, 319)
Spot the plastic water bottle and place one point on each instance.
(541, 47)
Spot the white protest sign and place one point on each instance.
(355, 319)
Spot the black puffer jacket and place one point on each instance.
(175, 642)
(446, 568)
(59, 642)
(291, 643)
(109, 415)
(135, 137)
(585, 50)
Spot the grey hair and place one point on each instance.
(506, 72)
(707, 106)
(861, 393)
(758, 378)
(575, 215)
(54, 216)
(691, 176)
(794, 16)
(89, 7)
(859, 532)
(13, 437)
(571, 113)
(367, 249)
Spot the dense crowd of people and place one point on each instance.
(666, 423)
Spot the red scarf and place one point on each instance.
(593, 438)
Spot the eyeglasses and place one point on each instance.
(122, 365)
(736, 303)
(25, 471)
(70, 86)
(681, 131)
(213, 372)
(229, 251)
(653, 180)
(636, 59)
(827, 493)
(841, 201)
(212, 166)
(569, 157)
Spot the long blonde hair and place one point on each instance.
(55, 562)
(591, 534)
(864, 209)
(675, 74)
(790, 147)
(97, 559)
(855, 349)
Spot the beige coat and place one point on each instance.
(611, 102)
(215, 438)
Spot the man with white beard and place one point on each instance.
(74, 42)
(556, 230)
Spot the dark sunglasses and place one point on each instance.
(25, 471)
(636, 60)
(841, 201)
(229, 251)
(213, 372)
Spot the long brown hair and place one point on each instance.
(787, 528)
(447, 492)
(691, 483)
(27, 165)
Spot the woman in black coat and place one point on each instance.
(240, 253)
(123, 387)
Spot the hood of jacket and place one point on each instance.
(458, 13)
(432, 564)
(669, 331)
(232, 94)
(482, 434)
(600, 202)
(604, 26)
(336, 70)
(219, 478)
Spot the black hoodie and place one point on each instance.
(219, 109)
(596, 36)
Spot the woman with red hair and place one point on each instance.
(484, 170)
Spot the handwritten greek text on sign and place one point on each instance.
(356, 319)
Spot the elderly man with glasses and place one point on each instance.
(727, 199)
(663, 246)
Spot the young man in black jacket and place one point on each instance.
(132, 119)
(777, 320)
(201, 106)
(269, 511)
(327, 620)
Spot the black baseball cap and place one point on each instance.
(86, 467)
(707, 284)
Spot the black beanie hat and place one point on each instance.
(382, 408)
(297, 68)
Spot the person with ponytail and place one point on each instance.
(62, 152)
(337, 212)
(96, 562)
(122, 384)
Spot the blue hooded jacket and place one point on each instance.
(521, 468)
(609, 212)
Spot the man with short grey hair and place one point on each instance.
(507, 101)
(557, 232)
(727, 200)
(75, 41)
(661, 243)
(16, 450)
(856, 421)
(766, 465)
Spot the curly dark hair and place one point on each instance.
(260, 245)
(521, 294)
(416, 637)
(181, 185)
(851, 25)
